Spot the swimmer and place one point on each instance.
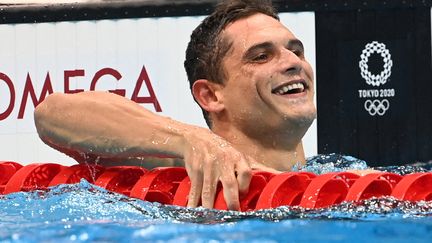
(248, 73)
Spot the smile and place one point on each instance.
(295, 87)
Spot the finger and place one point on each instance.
(194, 193)
(209, 188)
(244, 176)
(196, 178)
(211, 177)
(230, 191)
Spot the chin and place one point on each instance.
(302, 118)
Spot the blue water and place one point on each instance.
(86, 213)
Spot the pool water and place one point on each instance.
(84, 212)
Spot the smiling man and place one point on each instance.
(248, 73)
(264, 105)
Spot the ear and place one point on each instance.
(207, 94)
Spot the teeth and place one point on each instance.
(287, 88)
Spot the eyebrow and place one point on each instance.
(269, 45)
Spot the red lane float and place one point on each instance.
(7, 170)
(373, 185)
(171, 185)
(247, 202)
(284, 189)
(120, 179)
(159, 184)
(32, 177)
(73, 174)
(327, 189)
(414, 187)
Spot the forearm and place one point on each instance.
(112, 130)
(106, 125)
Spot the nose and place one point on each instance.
(290, 62)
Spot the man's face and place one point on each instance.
(269, 84)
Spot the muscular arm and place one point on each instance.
(108, 128)
(106, 125)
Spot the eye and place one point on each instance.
(297, 52)
(262, 57)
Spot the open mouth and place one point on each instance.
(296, 87)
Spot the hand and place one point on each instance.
(209, 159)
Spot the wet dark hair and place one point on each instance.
(207, 48)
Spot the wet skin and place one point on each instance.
(264, 56)
(258, 123)
(256, 118)
(251, 110)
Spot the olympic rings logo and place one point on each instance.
(377, 107)
(372, 79)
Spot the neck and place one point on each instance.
(280, 151)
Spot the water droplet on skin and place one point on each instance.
(223, 145)
(166, 140)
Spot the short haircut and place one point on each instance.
(206, 49)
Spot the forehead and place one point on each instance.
(257, 28)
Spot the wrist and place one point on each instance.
(171, 137)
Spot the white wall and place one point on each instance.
(124, 45)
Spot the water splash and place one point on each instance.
(85, 201)
(325, 163)
(85, 212)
